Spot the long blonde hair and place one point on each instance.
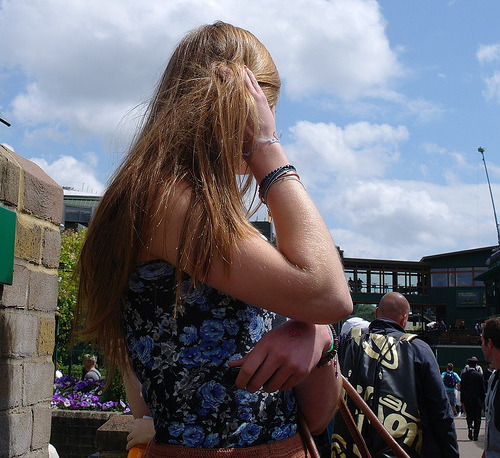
(193, 134)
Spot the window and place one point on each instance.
(464, 278)
(460, 277)
(439, 279)
(478, 271)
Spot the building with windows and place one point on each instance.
(491, 279)
(440, 288)
(79, 208)
(450, 294)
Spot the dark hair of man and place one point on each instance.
(491, 331)
(450, 366)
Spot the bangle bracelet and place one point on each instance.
(271, 179)
(279, 177)
(328, 355)
(332, 341)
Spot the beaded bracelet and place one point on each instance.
(270, 175)
(271, 178)
(279, 177)
(328, 355)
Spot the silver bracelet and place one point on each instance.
(273, 139)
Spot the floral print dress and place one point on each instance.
(182, 363)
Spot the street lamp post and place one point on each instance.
(481, 150)
(3, 120)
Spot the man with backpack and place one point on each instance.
(397, 375)
(451, 380)
(472, 395)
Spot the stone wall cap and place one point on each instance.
(97, 414)
(33, 169)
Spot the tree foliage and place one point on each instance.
(365, 311)
(71, 244)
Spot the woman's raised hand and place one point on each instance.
(261, 164)
(267, 123)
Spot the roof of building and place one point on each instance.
(459, 253)
(76, 193)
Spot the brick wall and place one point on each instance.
(74, 432)
(27, 307)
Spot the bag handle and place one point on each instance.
(353, 430)
(310, 445)
(372, 418)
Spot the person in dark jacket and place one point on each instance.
(490, 344)
(425, 425)
(472, 396)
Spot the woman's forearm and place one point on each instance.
(303, 238)
(318, 395)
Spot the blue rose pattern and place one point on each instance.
(212, 395)
(181, 363)
(193, 436)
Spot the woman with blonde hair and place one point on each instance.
(171, 265)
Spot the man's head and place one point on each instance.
(449, 366)
(395, 307)
(490, 341)
(472, 362)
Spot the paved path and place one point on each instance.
(468, 448)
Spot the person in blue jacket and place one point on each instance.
(385, 353)
(451, 381)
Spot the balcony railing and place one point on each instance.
(451, 337)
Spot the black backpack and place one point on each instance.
(449, 379)
(381, 368)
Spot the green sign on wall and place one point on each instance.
(471, 298)
(7, 240)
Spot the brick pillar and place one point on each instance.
(27, 307)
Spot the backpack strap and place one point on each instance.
(407, 337)
(356, 332)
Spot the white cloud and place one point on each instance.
(338, 47)
(488, 53)
(68, 171)
(346, 171)
(493, 170)
(425, 110)
(492, 91)
(384, 104)
(324, 151)
(408, 219)
(88, 62)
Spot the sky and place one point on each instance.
(383, 107)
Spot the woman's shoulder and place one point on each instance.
(171, 205)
